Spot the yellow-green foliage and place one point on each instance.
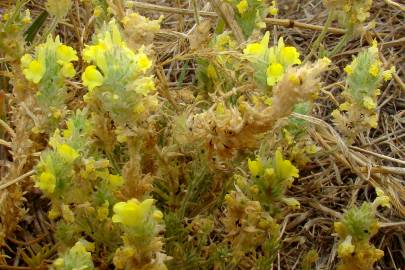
(12, 24)
(137, 176)
(117, 77)
(270, 180)
(352, 12)
(77, 257)
(270, 64)
(48, 69)
(364, 76)
(250, 14)
(355, 230)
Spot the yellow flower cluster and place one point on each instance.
(242, 6)
(355, 229)
(47, 53)
(78, 257)
(356, 11)
(276, 175)
(46, 182)
(364, 77)
(112, 60)
(277, 58)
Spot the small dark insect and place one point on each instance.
(229, 132)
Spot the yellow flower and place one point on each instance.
(255, 167)
(67, 152)
(68, 214)
(387, 75)
(269, 172)
(348, 69)
(98, 11)
(374, 47)
(383, 201)
(59, 263)
(92, 77)
(283, 168)
(344, 106)
(143, 62)
(211, 72)
(47, 182)
(68, 70)
(372, 121)
(132, 213)
(89, 246)
(292, 202)
(258, 48)
(157, 215)
(65, 54)
(242, 6)
(35, 71)
(273, 10)
(274, 73)
(122, 256)
(374, 70)
(102, 212)
(346, 248)
(220, 109)
(340, 229)
(115, 180)
(139, 108)
(369, 103)
(290, 56)
(54, 213)
(254, 189)
(96, 54)
(26, 59)
(27, 17)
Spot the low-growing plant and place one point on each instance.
(133, 174)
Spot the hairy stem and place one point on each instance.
(321, 36)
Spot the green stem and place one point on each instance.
(321, 36)
(52, 27)
(197, 19)
(343, 41)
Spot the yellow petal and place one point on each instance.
(143, 62)
(284, 169)
(65, 54)
(292, 202)
(255, 167)
(242, 6)
(26, 59)
(115, 180)
(68, 71)
(92, 77)
(374, 70)
(290, 56)
(274, 73)
(348, 69)
(258, 48)
(346, 248)
(132, 213)
(369, 103)
(47, 182)
(67, 152)
(35, 71)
